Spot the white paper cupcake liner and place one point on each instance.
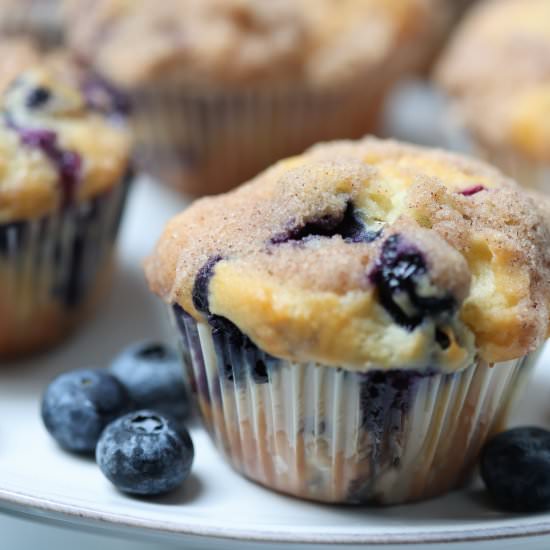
(52, 270)
(332, 435)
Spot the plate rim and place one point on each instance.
(33, 506)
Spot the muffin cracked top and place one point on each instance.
(236, 42)
(367, 254)
(497, 71)
(59, 140)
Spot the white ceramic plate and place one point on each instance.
(37, 478)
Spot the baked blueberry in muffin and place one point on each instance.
(357, 319)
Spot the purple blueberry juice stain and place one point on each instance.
(472, 190)
(68, 163)
(347, 224)
(385, 401)
(397, 274)
(237, 355)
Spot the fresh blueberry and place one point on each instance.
(78, 405)
(515, 466)
(144, 453)
(153, 375)
(398, 275)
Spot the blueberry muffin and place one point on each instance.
(40, 19)
(356, 321)
(64, 173)
(222, 88)
(496, 72)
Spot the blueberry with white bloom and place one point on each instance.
(153, 375)
(145, 453)
(77, 406)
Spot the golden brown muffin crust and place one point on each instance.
(235, 42)
(296, 258)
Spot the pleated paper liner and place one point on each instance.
(39, 19)
(331, 435)
(55, 269)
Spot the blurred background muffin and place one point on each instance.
(40, 19)
(496, 72)
(357, 320)
(222, 88)
(64, 173)
(459, 7)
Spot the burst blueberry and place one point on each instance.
(144, 453)
(77, 406)
(397, 275)
(347, 224)
(515, 466)
(153, 375)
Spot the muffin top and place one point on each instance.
(59, 140)
(368, 254)
(232, 42)
(18, 54)
(497, 69)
